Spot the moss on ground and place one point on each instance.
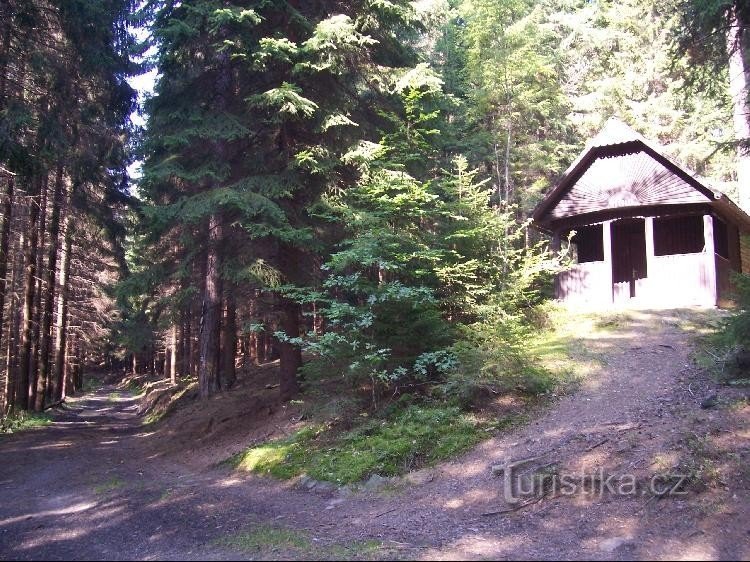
(415, 436)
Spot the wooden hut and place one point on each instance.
(645, 231)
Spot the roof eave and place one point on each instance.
(724, 203)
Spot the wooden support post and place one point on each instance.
(651, 288)
(709, 250)
(735, 259)
(607, 245)
(555, 243)
(555, 247)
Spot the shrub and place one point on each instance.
(738, 326)
(494, 355)
(23, 420)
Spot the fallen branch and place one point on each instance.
(54, 404)
(498, 469)
(718, 360)
(386, 512)
(516, 508)
(599, 444)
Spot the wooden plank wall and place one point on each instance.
(586, 283)
(680, 279)
(745, 253)
(723, 280)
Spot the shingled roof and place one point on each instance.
(619, 168)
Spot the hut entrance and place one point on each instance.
(628, 257)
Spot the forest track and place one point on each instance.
(92, 485)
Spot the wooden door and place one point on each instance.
(628, 256)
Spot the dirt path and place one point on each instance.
(90, 486)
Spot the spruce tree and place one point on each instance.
(64, 103)
(256, 105)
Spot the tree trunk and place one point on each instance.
(4, 257)
(172, 354)
(253, 348)
(508, 186)
(290, 355)
(49, 298)
(499, 178)
(39, 297)
(229, 341)
(183, 364)
(269, 347)
(208, 370)
(14, 323)
(739, 74)
(58, 386)
(69, 366)
(196, 314)
(80, 361)
(6, 16)
(29, 284)
(165, 365)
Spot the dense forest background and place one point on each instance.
(347, 182)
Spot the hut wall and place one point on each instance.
(586, 283)
(681, 266)
(680, 279)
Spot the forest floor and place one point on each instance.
(99, 484)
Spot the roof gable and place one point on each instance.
(629, 179)
(620, 168)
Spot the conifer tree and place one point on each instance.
(714, 36)
(63, 111)
(256, 105)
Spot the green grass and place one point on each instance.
(364, 549)
(268, 538)
(110, 485)
(577, 344)
(413, 437)
(714, 352)
(282, 458)
(135, 387)
(24, 420)
(699, 461)
(153, 417)
(91, 384)
(156, 415)
(570, 345)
